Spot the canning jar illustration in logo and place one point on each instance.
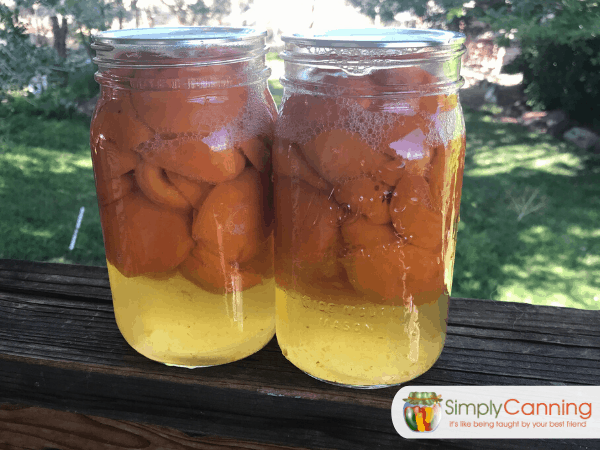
(423, 411)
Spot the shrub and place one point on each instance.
(563, 75)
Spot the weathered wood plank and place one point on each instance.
(60, 349)
(39, 428)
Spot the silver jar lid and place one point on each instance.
(396, 38)
(150, 47)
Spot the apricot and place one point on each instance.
(307, 234)
(154, 183)
(339, 156)
(230, 222)
(377, 272)
(391, 171)
(194, 191)
(141, 236)
(115, 132)
(195, 159)
(411, 77)
(396, 273)
(214, 274)
(363, 233)
(113, 189)
(288, 162)
(367, 197)
(257, 150)
(109, 159)
(188, 111)
(312, 108)
(412, 213)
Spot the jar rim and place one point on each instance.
(176, 36)
(178, 47)
(392, 38)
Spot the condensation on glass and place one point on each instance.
(368, 162)
(181, 144)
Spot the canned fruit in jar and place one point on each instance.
(366, 196)
(195, 159)
(307, 225)
(215, 274)
(112, 189)
(141, 236)
(412, 212)
(340, 156)
(117, 128)
(195, 192)
(166, 109)
(230, 221)
(289, 163)
(155, 184)
(364, 234)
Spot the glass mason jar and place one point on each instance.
(368, 162)
(181, 146)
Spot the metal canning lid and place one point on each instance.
(177, 46)
(374, 46)
(396, 38)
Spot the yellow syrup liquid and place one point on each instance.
(360, 344)
(173, 321)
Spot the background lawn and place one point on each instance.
(529, 219)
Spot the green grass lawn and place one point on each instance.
(45, 178)
(529, 230)
(530, 218)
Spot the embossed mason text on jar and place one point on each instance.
(368, 162)
(181, 146)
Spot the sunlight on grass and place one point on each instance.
(46, 234)
(34, 160)
(46, 187)
(530, 218)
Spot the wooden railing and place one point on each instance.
(68, 380)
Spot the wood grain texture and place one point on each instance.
(60, 349)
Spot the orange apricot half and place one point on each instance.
(366, 196)
(363, 233)
(195, 159)
(113, 189)
(257, 150)
(194, 191)
(413, 215)
(230, 222)
(288, 162)
(189, 110)
(307, 234)
(116, 121)
(142, 237)
(153, 182)
(110, 160)
(396, 273)
(214, 274)
(339, 156)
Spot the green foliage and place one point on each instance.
(563, 75)
(20, 60)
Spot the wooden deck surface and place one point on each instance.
(68, 380)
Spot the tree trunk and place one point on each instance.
(136, 11)
(60, 36)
